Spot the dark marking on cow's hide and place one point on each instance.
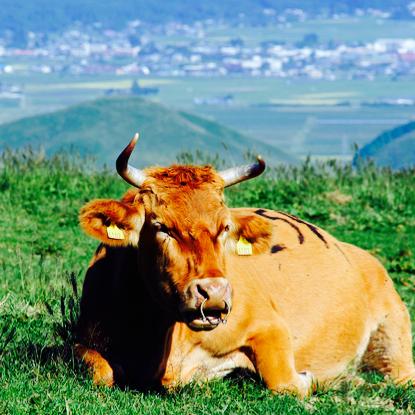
(277, 248)
(312, 228)
(341, 251)
(263, 213)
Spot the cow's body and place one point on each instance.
(306, 296)
(169, 272)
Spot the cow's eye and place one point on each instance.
(162, 228)
(223, 233)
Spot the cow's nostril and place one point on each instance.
(212, 294)
(202, 292)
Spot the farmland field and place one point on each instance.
(300, 117)
(342, 29)
(42, 250)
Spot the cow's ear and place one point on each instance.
(112, 222)
(252, 228)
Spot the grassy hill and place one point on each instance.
(103, 127)
(394, 148)
(42, 250)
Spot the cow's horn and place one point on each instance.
(241, 173)
(129, 173)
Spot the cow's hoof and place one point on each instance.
(306, 384)
(103, 375)
(300, 386)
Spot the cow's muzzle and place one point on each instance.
(208, 302)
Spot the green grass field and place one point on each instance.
(42, 249)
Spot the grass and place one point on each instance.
(43, 256)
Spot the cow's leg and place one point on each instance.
(102, 373)
(390, 347)
(273, 358)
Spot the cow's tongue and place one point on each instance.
(213, 318)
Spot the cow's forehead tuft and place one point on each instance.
(184, 176)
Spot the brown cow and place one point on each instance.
(169, 272)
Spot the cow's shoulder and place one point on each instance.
(282, 229)
(252, 228)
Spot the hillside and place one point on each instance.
(103, 127)
(394, 148)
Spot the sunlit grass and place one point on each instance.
(43, 256)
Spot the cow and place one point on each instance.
(182, 288)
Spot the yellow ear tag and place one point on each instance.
(114, 232)
(243, 247)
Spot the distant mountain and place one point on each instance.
(103, 127)
(393, 148)
(52, 15)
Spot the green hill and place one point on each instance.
(393, 148)
(103, 127)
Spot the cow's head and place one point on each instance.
(177, 219)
